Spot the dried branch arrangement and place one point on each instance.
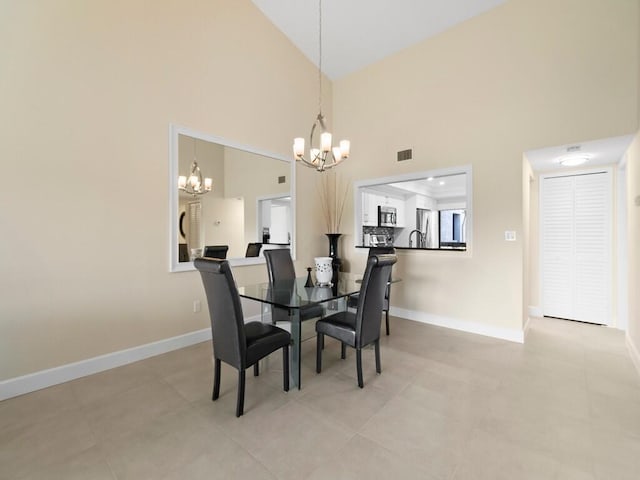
(333, 193)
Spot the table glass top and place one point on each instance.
(293, 293)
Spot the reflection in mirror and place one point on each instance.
(425, 210)
(250, 200)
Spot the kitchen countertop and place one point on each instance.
(455, 249)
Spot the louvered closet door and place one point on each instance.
(576, 247)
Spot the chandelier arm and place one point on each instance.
(313, 129)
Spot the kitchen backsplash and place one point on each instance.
(377, 236)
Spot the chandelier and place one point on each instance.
(326, 155)
(194, 184)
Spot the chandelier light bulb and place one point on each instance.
(325, 142)
(345, 147)
(298, 147)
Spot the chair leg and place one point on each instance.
(319, 342)
(216, 380)
(377, 348)
(359, 367)
(343, 351)
(285, 368)
(256, 369)
(240, 403)
(387, 320)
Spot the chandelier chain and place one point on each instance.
(320, 57)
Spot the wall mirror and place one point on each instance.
(250, 206)
(429, 210)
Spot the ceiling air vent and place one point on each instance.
(405, 155)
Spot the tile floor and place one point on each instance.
(448, 405)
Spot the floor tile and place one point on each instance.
(367, 459)
(448, 405)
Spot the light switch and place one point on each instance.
(510, 236)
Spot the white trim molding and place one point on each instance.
(462, 325)
(633, 352)
(535, 311)
(64, 373)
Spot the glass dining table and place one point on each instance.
(292, 295)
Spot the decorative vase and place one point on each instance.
(333, 253)
(324, 270)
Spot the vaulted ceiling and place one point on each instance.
(356, 33)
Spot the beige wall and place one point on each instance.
(88, 91)
(633, 221)
(524, 75)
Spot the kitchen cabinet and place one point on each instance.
(370, 203)
(369, 209)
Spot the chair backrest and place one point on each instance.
(384, 251)
(381, 251)
(216, 251)
(280, 268)
(253, 250)
(371, 298)
(225, 310)
(279, 264)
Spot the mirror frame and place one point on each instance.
(466, 169)
(174, 131)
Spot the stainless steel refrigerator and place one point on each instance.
(427, 224)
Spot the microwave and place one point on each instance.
(387, 216)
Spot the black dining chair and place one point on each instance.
(280, 268)
(352, 302)
(253, 250)
(216, 251)
(237, 343)
(361, 328)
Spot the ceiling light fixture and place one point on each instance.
(326, 156)
(195, 185)
(574, 157)
(574, 160)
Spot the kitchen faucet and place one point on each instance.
(419, 239)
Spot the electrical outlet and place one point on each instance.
(510, 236)
(196, 306)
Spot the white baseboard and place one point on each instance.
(633, 352)
(526, 326)
(64, 373)
(535, 311)
(463, 325)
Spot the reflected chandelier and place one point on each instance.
(194, 185)
(326, 156)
